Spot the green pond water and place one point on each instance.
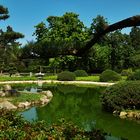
(82, 106)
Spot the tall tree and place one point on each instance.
(3, 13)
(63, 34)
(7, 39)
(135, 37)
(128, 22)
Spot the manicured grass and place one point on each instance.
(22, 78)
(88, 78)
(94, 78)
(26, 97)
(52, 77)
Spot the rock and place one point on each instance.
(123, 115)
(24, 104)
(7, 87)
(130, 114)
(137, 115)
(2, 94)
(44, 100)
(7, 105)
(48, 94)
(36, 102)
(115, 112)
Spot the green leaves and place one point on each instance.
(13, 126)
(63, 34)
(3, 13)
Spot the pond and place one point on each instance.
(82, 106)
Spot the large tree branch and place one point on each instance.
(129, 22)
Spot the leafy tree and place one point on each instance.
(3, 13)
(98, 25)
(7, 39)
(62, 35)
(120, 50)
(135, 37)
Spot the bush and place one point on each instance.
(13, 127)
(124, 95)
(80, 73)
(126, 72)
(109, 75)
(66, 76)
(134, 76)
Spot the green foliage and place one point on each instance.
(13, 126)
(26, 97)
(3, 13)
(109, 75)
(66, 76)
(11, 69)
(126, 72)
(136, 60)
(124, 95)
(134, 76)
(135, 37)
(7, 42)
(81, 73)
(99, 61)
(63, 34)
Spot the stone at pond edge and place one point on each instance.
(2, 94)
(130, 115)
(7, 105)
(123, 115)
(45, 99)
(48, 94)
(24, 104)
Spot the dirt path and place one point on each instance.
(61, 82)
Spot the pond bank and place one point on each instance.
(60, 82)
(9, 104)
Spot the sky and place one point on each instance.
(25, 14)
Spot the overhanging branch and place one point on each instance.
(129, 22)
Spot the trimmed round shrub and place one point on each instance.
(134, 76)
(80, 73)
(109, 75)
(124, 95)
(66, 76)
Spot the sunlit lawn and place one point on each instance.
(94, 78)
(88, 78)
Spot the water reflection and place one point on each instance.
(30, 114)
(82, 106)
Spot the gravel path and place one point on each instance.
(61, 82)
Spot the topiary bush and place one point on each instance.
(134, 76)
(80, 73)
(124, 95)
(66, 76)
(109, 75)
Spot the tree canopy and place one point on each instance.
(7, 41)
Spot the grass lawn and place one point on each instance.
(25, 97)
(88, 78)
(94, 78)
(22, 78)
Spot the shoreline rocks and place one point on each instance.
(44, 100)
(130, 115)
(7, 105)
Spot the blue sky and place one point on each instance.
(25, 14)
